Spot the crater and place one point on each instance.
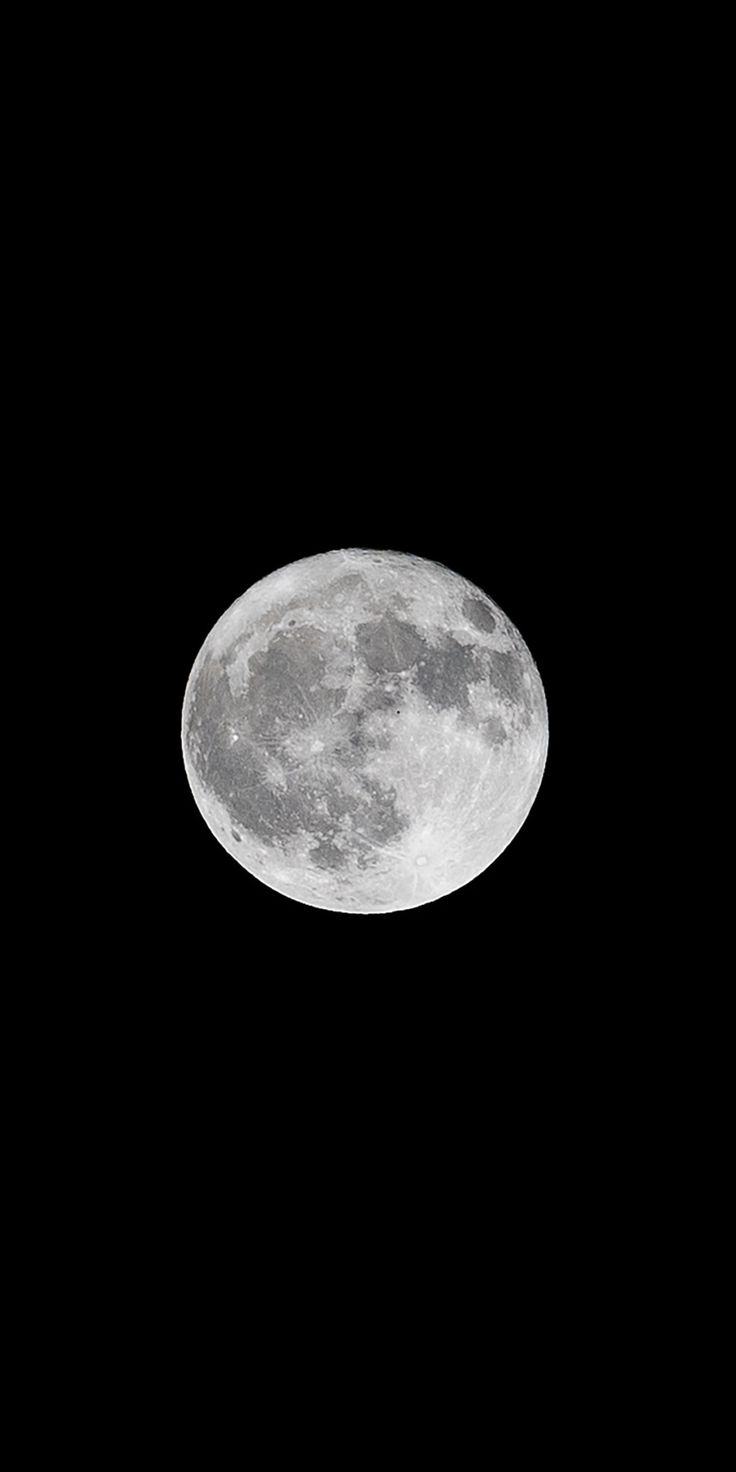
(479, 615)
(351, 585)
(493, 731)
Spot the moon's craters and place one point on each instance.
(370, 741)
(479, 615)
(494, 731)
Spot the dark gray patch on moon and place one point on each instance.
(359, 741)
(233, 769)
(345, 587)
(236, 776)
(379, 822)
(326, 855)
(444, 674)
(313, 805)
(346, 825)
(388, 644)
(211, 704)
(506, 675)
(230, 740)
(479, 615)
(379, 696)
(285, 685)
(355, 742)
(493, 731)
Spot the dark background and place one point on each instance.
(342, 349)
(301, 339)
(381, 379)
(282, 329)
(357, 347)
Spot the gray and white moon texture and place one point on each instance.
(364, 731)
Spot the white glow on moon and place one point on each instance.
(364, 731)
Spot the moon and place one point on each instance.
(364, 731)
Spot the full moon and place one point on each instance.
(364, 731)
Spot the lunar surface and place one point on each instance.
(364, 731)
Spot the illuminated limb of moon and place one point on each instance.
(364, 731)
